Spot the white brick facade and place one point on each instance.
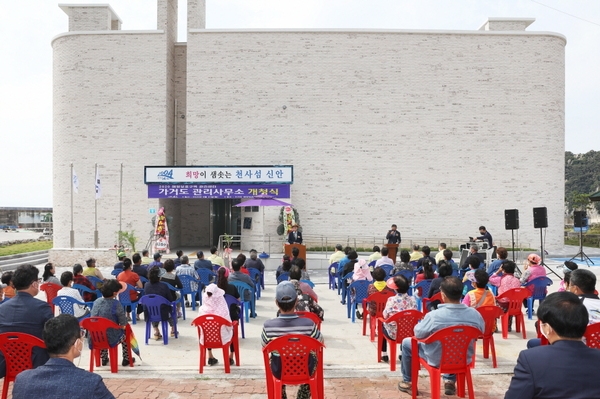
(438, 132)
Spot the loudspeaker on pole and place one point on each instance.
(511, 219)
(580, 219)
(540, 218)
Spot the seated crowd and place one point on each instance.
(562, 317)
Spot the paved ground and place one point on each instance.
(351, 370)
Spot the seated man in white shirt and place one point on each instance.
(385, 260)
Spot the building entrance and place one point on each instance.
(225, 218)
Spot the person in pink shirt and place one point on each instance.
(533, 270)
(505, 280)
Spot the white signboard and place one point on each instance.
(282, 174)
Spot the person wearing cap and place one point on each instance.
(295, 237)
(289, 323)
(92, 270)
(566, 368)
(59, 377)
(449, 313)
(110, 308)
(119, 265)
(24, 313)
(567, 268)
(202, 263)
(532, 270)
(254, 262)
(156, 262)
(213, 303)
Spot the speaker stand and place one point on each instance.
(542, 254)
(581, 253)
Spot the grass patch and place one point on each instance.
(25, 247)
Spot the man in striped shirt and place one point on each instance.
(289, 323)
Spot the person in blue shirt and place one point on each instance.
(502, 254)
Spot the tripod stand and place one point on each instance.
(512, 231)
(542, 255)
(581, 253)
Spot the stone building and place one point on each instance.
(436, 131)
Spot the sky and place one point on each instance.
(28, 26)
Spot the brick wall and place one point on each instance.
(434, 131)
(109, 108)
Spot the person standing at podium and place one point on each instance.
(295, 237)
(393, 235)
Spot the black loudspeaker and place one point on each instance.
(540, 218)
(511, 219)
(580, 219)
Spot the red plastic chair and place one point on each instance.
(51, 291)
(455, 345)
(209, 326)
(592, 336)
(515, 296)
(490, 314)
(294, 351)
(406, 321)
(96, 327)
(312, 316)
(380, 299)
(17, 348)
(427, 301)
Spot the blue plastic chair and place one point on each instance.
(414, 263)
(408, 274)
(255, 275)
(540, 285)
(66, 304)
(310, 283)
(152, 304)
(388, 269)
(180, 299)
(360, 288)
(125, 299)
(467, 286)
(206, 277)
(143, 279)
(95, 281)
(424, 285)
(215, 268)
(372, 263)
(333, 275)
(83, 288)
(191, 287)
(249, 306)
(342, 286)
(231, 300)
(493, 289)
(285, 276)
(116, 272)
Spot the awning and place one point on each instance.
(595, 196)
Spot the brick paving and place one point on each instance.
(486, 387)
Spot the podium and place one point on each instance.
(301, 249)
(392, 251)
